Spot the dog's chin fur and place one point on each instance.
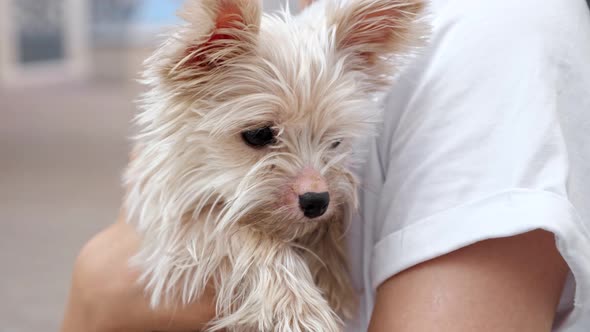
(214, 211)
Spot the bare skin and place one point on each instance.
(508, 284)
(105, 295)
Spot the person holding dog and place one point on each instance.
(475, 213)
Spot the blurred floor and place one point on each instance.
(62, 152)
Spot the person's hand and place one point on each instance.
(105, 294)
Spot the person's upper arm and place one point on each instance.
(478, 147)
(499, 285)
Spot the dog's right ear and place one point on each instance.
(217, 32)
(370, 32)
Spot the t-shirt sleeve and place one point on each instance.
(484, 137)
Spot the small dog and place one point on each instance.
(241, 179)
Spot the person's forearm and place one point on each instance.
(75, 318)
(106, 297)
(501, 285)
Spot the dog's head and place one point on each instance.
(250, 119)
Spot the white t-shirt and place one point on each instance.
(486, 135)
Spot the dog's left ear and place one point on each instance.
(369, 32)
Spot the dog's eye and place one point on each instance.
(336, 144)
(259, 137)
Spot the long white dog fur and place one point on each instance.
(215, 211)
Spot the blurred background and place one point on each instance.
(67, 70)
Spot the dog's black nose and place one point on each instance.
(314, 205)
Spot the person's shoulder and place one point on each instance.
(511, 19)
(545, 12)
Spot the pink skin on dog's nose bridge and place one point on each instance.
(309, 180)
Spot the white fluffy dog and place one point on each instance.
(241, 177)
